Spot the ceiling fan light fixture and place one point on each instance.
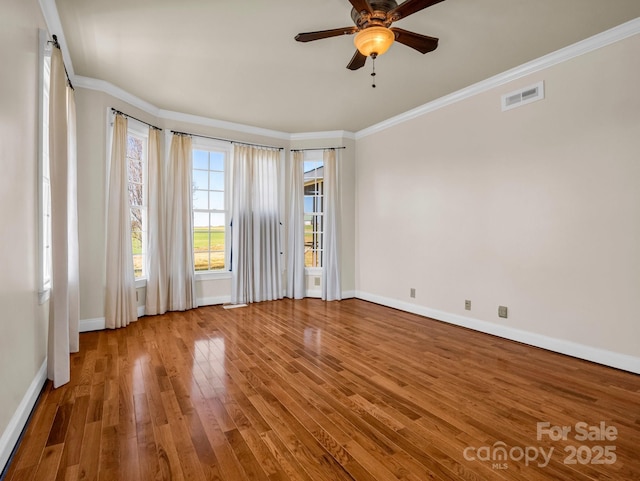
(374, 40)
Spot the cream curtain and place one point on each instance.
(156, 298)
(331, 287)
(72, 240)
(180, 271)
(120, 296)
(63, 302)
(295, 232)
(256, 274)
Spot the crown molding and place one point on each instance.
(54, 26)
(117, 92)
(590, 44)
(110, 89)
(223, 124)
(331, 134)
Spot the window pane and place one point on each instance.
(308, 204)
(201, 219)
(200, 160)
(200, 178)
(216, 181)
(134, 147)
(312, 166)
(201, 241)
(216, 246)
(134, 171)
(136, 220)
(200, 200)
(217, 220)
(216, 200)
(135, 194)
(217, 161)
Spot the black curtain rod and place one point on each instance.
(116, 111)
(323, 148)
(57, 45)
(227, 140)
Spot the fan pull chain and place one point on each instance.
(373, 73)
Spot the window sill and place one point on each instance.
(141, 282)
(212, 275)
(313, 271)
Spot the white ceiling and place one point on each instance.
(236, 60)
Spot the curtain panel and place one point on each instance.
(157, 292)
(256, 274)
(63, 335)
(180, 267)
(120, 297)
(331, 284)
(295, 233)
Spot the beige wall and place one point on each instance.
(536, 209)
(23, 322)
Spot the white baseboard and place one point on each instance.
(20, 417)
(88, 325)
(348, 294)
(581, 351)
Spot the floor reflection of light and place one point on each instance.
(137, 375)
(210, 361)
(313, 339)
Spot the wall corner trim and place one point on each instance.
(616, 360)
(11, 434)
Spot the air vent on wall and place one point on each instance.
(523, 96)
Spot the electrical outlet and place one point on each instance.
(467, 305)
(502, 311)
(412, 292)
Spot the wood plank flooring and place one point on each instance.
(313, 391)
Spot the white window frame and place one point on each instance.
(44, 182)
(141, 131)
(316, 156)
(210, 145)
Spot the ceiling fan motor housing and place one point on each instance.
(379, 16)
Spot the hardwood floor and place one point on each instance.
(312, 391)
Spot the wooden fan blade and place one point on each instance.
(421, 43)
(357, 61)
(409, 7)
(336, 32)
(361, 6)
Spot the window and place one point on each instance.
(44, 187)
(137, 140)
(210, 235)
(313, 212)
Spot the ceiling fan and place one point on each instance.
(374, 34)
